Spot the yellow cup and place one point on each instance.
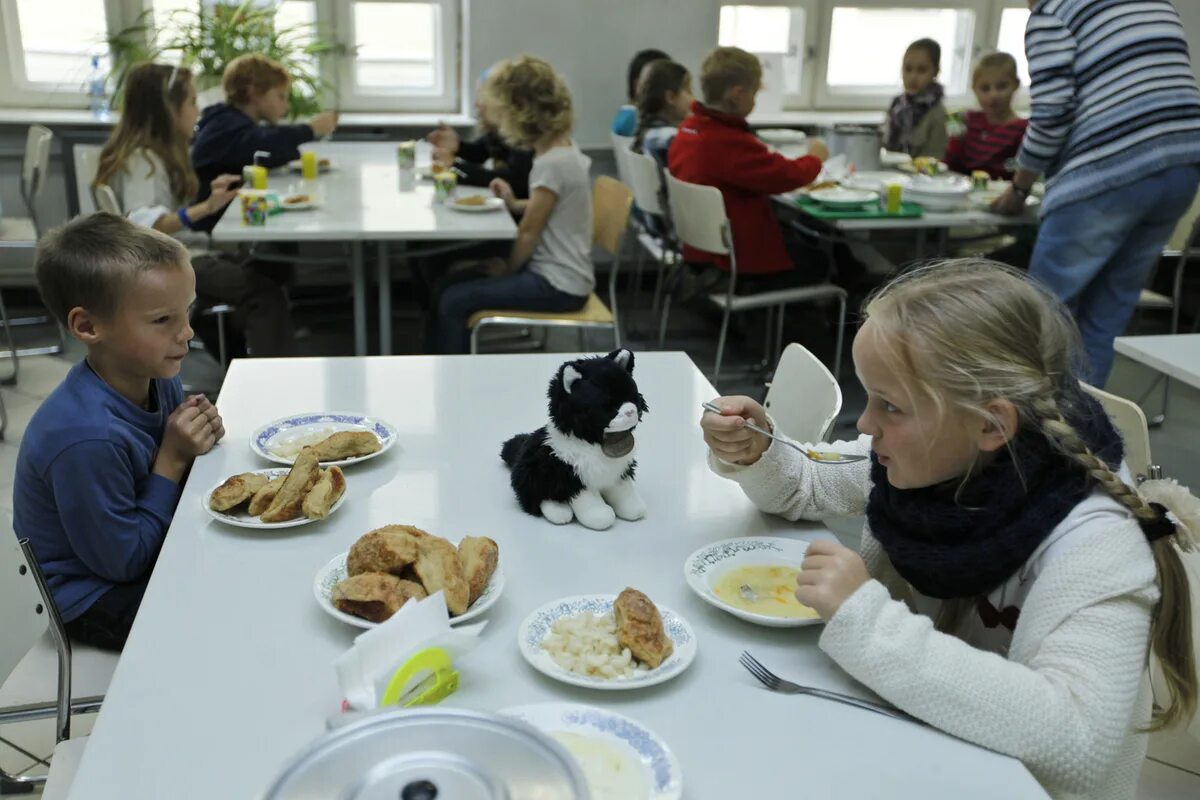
(308, 165)
(894, 192)
(258, 174)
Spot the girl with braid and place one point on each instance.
(1011, 582)
(663, 101)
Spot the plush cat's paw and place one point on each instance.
(629, 508)
(558, 513)
(598, 518)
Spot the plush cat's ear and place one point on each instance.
(569, 376)
(624, 358)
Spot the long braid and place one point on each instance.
(660, 77)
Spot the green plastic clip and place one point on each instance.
(439, 684)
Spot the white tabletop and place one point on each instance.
(361, 200)
(1178, 356)
(228, 670)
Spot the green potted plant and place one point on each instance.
(210, 35)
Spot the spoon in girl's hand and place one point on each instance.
(813, 455)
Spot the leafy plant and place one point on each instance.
(206, 38)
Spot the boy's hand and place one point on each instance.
(214, 418)
(829, 575)
(728, 437)
(501, 189)
(324, 123)
(224, 189)
(818, 149)
(189, 433)
(443, 137)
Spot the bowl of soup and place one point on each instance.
(752, 578)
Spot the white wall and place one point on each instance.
(1189, 12)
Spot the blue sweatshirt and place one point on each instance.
(84, 494)
(226, 140)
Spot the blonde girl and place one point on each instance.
(1011, 582)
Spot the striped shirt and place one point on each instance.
(986, 146)
(1113, 97)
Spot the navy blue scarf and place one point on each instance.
(949, 543)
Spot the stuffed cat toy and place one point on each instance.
(580, 464)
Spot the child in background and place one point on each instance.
(993, 134)
(625, 122)
(1011, 579)
(229, 134)
(664, 100)
(916, 119)
(100, 466)
(145, 162)
(715, 147)
(550, 266)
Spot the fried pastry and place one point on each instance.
(288, 503)
(263, 497)
(479, 556)
(235, 491)
(347, 444)
(440, 569)
(324, 493)
(375, 596)
(640, 628)
(471, 200)
(391, 548)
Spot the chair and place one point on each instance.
(803, 397)
(621, 144)
(26, 597)
(87, 162)
(700, 222)
(645, 178)
(611, 201)
(1130, 421)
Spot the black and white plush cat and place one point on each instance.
(580, 464)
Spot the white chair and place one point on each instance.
(803, 397)
(87, 161)
(1130, 421)
(30, 616)
(621, 144)
(643, 175)
(698, 213)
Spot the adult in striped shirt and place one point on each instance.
(1115, 127)
(993, 134)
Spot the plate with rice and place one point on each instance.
(282, 440)
(574, 640)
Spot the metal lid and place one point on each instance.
(432, 754)
(855, 128)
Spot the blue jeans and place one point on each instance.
(1096, 255)
(524, 290)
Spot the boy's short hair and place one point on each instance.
(88, 262)
(251, 75)
(931, 49)
(725, 68)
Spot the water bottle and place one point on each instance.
(97, 89)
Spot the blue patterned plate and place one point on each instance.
(280, 440)
(537, 625)
(705, 567)
(659, 778)
(334, 573)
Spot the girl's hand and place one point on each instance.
(1008, 204)
(501, 189)
(829, 575)
(728, 437)
(224, 188)
(818, 149)
(443, 137)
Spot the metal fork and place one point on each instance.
(778, 684)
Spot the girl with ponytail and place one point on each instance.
(1012, 582)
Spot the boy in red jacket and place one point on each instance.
(715, 147)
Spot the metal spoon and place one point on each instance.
(821, 457)
(747, 593)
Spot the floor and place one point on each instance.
(325, 326)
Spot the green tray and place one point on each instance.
(872, 211)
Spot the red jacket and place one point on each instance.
(717, 149)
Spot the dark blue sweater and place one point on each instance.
(84, 494)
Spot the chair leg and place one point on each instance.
(639, 262)
(662, 321)
(721, 347)
(778, 351)
(475, 339)
(11, 380)
(221, 351)
(841, 336)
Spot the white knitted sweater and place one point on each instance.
(1069, 695)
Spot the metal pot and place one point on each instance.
(432, 754)
(860, 145)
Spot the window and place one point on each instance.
(55, 41)
(777, 34)
(1011, 39)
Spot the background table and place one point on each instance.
(361, 201)
(1177, 356)
(228, 671)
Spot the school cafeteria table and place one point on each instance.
(228, 671)
(1177, 356)
(361, 201)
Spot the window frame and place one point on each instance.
(805, 46)
(1021, 98)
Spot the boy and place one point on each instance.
(99, 470)
(229, 133)
(715, 147)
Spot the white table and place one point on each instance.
(361, 201)
(1177, 356)
(228, 671)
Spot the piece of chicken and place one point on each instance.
(236, 490)
(391, 549)
(479, 556)
(640, 628)
(347, 444)
(374, 595)
(263, 497)
(289, 502)
(325, 492)
(440, 569)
